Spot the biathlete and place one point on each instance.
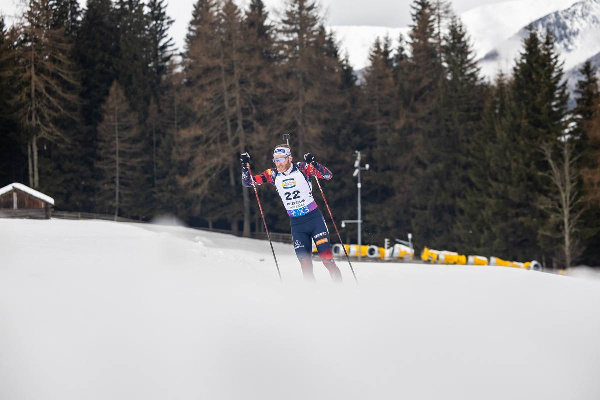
(292, 181)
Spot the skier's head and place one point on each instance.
(282, 157)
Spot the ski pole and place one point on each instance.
(262, 214)
(336, 229)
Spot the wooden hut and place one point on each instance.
(20, 201)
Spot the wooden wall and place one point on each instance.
(24, 200)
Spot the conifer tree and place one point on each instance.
(306, 87)
(424, 121)
(48, 83)
(487, 219)
(161, 46)
(66, 14)
(378, 137)
(133, 54)
(463, 100)
(542, 100)
(587, 114)
(119, 155)
(95, 52)
(167, 199)
(201, 147)
(11, 142)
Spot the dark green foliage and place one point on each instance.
(464, 98)
(66, 14)
(132, 63)
(429, 136)
(13, 162)
(161, 46)
(587, 113)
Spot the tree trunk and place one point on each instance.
(242, 147)
(234, 226)
(30, 163)
(300, 120)
(36, 169)
(116, 165)
(154, 152)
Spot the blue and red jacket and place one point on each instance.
(294, 185)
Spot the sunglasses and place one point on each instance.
(280, 159)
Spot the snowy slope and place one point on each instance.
(357, 41)
(490, 25)
(573, 75)
(100, 310)
(575, 29)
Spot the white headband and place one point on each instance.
(282, 150)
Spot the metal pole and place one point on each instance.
(359, 215)
(336, 229)
(262, 214)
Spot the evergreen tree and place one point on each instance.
(48, 83)
(587, 114)
(487, 219)
(66, 14)
(63, 169)
(133, 54)
(424, 121)
(378, 117)
(305, 83)
(541, 99)
(200, 146)
(464, 98)
(161, 46)
(95, 51)
(119, 156)
(12, 160)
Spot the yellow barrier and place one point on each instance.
(453, 258)
(429, 255)
(498, 262)
(477, 260)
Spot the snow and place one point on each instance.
(28, 190)
(97, 310)
(490, 25)
(357, 41)
(576, 30)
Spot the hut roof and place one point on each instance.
(27, 190)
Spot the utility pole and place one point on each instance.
(356, 173)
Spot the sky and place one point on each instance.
(387, 13)
(382, 17)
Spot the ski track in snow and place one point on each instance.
(98, 310)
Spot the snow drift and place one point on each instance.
(97, 310)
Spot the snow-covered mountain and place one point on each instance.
(573, 75)
(356, 41)
(497, 32)
(488, 26)
(575, 29)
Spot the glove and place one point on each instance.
(245, 159)
(309, 158)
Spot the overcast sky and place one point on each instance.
(381, 13)
(392, 13)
